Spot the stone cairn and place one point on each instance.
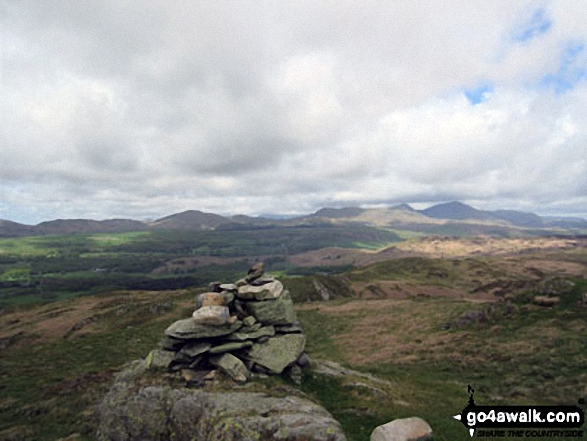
(239, 328)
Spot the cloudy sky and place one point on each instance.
(142, 109)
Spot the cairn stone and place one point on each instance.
(268, 339)
(278, 352)
(232, 366)
(211, 315)
(279, 311)
(267, 291)
(210, 299)
(188, 329)
(255, 272)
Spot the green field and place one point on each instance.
(48, 268)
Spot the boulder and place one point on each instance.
(132, 411)
(279, 311)
(188, 329)
(270, 290)
(405, 429)
(278, 352)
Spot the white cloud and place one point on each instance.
(142, 109)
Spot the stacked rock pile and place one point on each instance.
(239, 328)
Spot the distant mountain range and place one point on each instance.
(399, 216)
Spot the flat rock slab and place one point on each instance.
(405, 429)
(234, 346)
(188, 329)
(278, 352)
(195, 348)
(267, 331)
(270, 290)
(130, 412)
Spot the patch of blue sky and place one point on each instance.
(572, 69)
(478, 94)
(538, 24)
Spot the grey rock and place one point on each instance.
(255, 272)
(274, 312)
(279, 352)
(228, 287)
(211, 315)
(171, 344)
(294, 373)
(267, 331)
(188, 329)
(270, 290)
(252, 328)
(262, 280)
(303, 360)
(249, 321)
(130, 412)
(227, 347)
(232, 366)
(159, 359)
(191, 349)
(405, 429)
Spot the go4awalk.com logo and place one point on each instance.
(522, 421)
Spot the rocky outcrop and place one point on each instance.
(133, 410)
(191, 387)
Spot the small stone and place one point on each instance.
(241, 282)
(210, 376)
(255, 272)
(249, 321)
(210, 299)
(405, 429)
(159, 359)
(189, 375)
(303, 360)
(171, 344)
(228, 287)
(211, 315)
(215, 286)
(253, 328)
(267, 291)
(294, 373)
(262, 280)
(227, 347)
(228, 297)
